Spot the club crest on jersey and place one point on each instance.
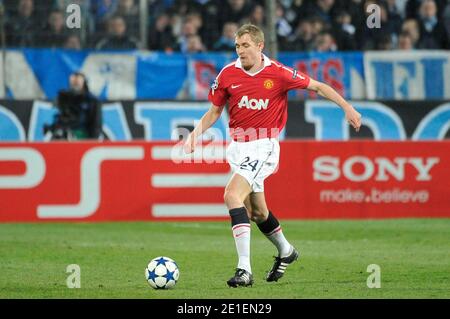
(268, 84)
(253, 104)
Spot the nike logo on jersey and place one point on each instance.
(253, 104)
(235, 86)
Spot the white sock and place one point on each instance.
(277, 238)
(241, 234)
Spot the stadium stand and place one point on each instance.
(205, 25)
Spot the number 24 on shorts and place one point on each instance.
(248, 165)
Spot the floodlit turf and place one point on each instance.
(414, 256)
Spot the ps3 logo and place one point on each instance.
(91, 161)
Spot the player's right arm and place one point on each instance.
(218, 96)
(208, 120)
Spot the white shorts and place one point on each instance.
(255, 160)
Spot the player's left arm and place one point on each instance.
(351, 115)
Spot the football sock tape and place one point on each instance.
(269, 225)
(239, 216)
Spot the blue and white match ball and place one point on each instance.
(162, 273)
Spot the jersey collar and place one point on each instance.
(267, 62)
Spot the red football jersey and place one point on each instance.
(257, 102)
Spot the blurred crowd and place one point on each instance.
(192, 26)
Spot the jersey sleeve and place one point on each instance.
(294, 79)
(218, 94)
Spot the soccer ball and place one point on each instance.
(162, 273)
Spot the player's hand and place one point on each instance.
(189, 145)
(353, 118)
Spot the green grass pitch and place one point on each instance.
(413, 254)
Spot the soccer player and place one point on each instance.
(255, 88)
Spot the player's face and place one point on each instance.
(248, 51)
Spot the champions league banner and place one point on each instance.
(166, 120)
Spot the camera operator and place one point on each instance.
(80, 115)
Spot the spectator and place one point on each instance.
(256, 16)
(432, 31)
(325, 42)
(400, 7)
(303, 37)
(384, 43)
(130, 12)
(413, 7)
(318, 25)
(176, 23)
(196, 18)
(157, 8)
(322, 9)
(371, 36)
(405, 41)
(21, 27)
(394, 16)
(283, 27)
(344, 31)
(234, 11)
(446, 17)
(189, 29)
(40, 10)
(211, 30)
(411, 26)
(102, 11)
(226, 41)
(54, 33)
(117, 37)
(294, 10)
(356, 9)
(160, 36)
(72, 42)
(194, 44)
(184, 7)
